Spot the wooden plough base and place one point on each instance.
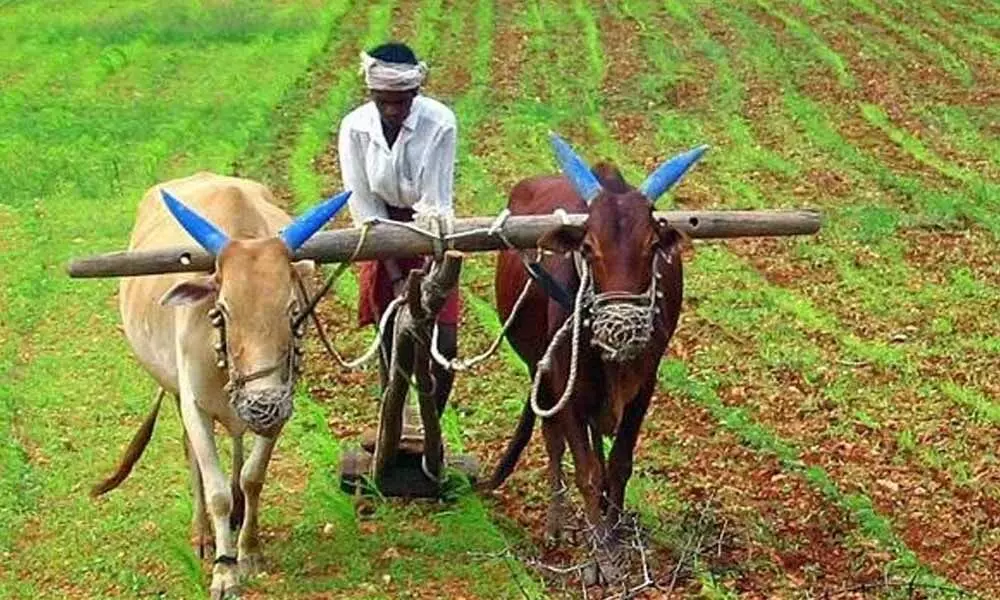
(404, 478)
(390, 456)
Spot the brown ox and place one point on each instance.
(225, 345)
(627, 316)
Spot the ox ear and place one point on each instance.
(671, 240)
(669, 173)
(190, 291)
(304, 270)
(563, 239)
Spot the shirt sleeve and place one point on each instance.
(439, 175)
(363, 204)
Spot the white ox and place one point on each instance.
(226, 344)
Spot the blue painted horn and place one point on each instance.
(300, 230)
(575, 169)
(669, 173)
(201, 229)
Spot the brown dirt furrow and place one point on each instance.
(451, 78)
(292, 111)
(508, 63)
(779, 537)
(822, 185)
(922, 496)
(892, 86)
(936, 254)
(981, 67)
(936, 258)
(630, 113)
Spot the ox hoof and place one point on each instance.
(225, 583)
(556, 535)
(555, 524)
(601, 573)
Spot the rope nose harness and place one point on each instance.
(264, 411)
(621, 325)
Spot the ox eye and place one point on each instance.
(587, 249)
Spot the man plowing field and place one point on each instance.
(397, 156)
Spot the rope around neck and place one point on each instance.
(574, 321)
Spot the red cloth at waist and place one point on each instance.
(375, 284)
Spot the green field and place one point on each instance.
(830, 405)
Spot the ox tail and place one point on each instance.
(522, 435)
(134, 451)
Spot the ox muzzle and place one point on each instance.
(622, 324)
(264, 410)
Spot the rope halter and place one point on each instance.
(264, 411)
(621, 323)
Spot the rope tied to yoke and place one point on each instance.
(443, 237)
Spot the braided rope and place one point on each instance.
(465, 364)
(573, 321)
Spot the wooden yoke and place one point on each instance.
(426, 294)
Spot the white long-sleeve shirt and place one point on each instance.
(417, 172)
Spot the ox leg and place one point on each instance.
(589, 482)
(236, 516)
(218, 496)
(586, 465)
(597, 441)
(620, 462)
(252, 482)
(555, 447)
(201, 530)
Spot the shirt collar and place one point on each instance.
(410, 122)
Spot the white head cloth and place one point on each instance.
(391, 77)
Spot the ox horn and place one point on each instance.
(575, 169)
(298, 231)
(210, 237)
(669, 173)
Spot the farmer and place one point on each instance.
(397, 156)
